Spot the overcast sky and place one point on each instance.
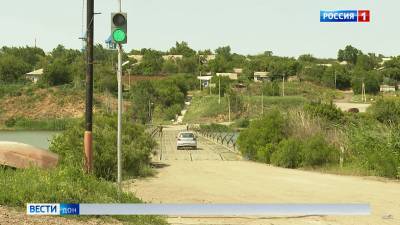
(286, 27)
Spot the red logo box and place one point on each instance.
(363, 15)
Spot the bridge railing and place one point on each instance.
(227, 139)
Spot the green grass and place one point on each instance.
(64, 185)
(205, 109)
(38, 124)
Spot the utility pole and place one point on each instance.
(129, 78)
(119, 134)
(219, 90)
(210, 86)
(283, 85)
(229, 109)
(89, 88)
(363, 96)
(262, 102)
(335, 80)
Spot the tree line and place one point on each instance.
(350, 69)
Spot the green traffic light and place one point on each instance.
(119, 35)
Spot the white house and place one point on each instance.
(325, 64)
(138, 58)
(238, 70)
(385, 60)
(172, 57)
(261, 76)
(35, 75)
(232, 76)
(208, 57)
(387, 88)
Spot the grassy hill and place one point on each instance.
(36, 108)
(206, 109)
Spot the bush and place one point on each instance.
(375, 152)
(264, 154)
(288, 154)
(386, 111)
(242, 123)
(64, 184)
(215, 128)
(269, 129)
(136, 144)
(326, 111)
(317, 152)
(172, 111)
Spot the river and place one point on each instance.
(40, 139)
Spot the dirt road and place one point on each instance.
(213, 174)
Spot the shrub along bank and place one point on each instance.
(69, 184)
(318, 136)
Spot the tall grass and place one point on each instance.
(21, 123)
(64, 185)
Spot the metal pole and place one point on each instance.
(119, 142)
(335, 80)
(129, 78)
(262, 102)
(219, 90)
(89, 88)
(210, 86)
(229, 109)
(119, 135)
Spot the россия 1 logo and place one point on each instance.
(345, 16)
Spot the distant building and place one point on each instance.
(232, 76)
(293, 78)
(325, 64)
(204, 80)
(385, 60)
(238, 70)
(387, 88)
(208, 57)
(261, 76)
(138, 58)
(35, 75)
(172, 57)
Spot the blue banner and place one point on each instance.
(339, 16)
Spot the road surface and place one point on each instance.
(213, 174)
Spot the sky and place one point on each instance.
(286, 27)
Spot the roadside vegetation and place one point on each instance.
(68, 182)
(319, 136)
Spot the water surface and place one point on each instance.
(40, 139)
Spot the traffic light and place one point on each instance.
(119, 27)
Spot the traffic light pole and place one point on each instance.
(119, 141)
(119, 135)
(89, 88)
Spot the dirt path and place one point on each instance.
(345, 103)
(215, 175)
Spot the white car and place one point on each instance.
(186, 139)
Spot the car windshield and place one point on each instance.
(186, 135)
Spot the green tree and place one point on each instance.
(269, 129)
(57, 73)
(182, 48)
(349, 54)
(370, 79)
(12, 69)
